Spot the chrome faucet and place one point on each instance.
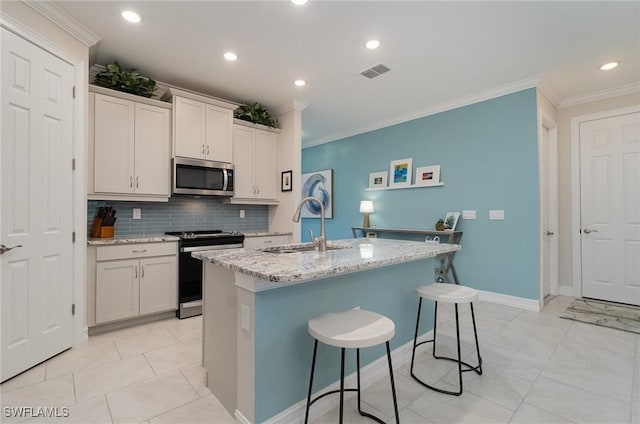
(320, 242)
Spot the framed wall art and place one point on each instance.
(378, 179)
(285, 181)
(318, 184)
(427, 175)
(400, 173)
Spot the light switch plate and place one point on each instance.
(241, 213)
(137, 213)
(468, 214)
(496, 215)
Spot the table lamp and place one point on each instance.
(366, 207)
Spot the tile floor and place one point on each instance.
(538, 368)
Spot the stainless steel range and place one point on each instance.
(190, 269)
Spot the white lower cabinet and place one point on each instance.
(131, 280)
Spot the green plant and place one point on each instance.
(440, 225)
(127, 81)
(256, 113)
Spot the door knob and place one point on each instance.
(550, 233)
(588, 231)
(4, 249)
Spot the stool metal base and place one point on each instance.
(459, 361)
(342, 389)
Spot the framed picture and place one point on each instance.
(427, 175)
(378, 179)
(400, 172)
(451, 220)
(285, 181)
(318, 184)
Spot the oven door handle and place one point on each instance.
(216, 247)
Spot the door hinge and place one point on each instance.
(74, 92)
(73, 164)
(73, 309)
(73, 237)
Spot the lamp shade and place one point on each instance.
(366, 206)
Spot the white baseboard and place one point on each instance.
(240, 419)
(565, 291)
(504, 299)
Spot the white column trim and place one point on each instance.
(65, 21)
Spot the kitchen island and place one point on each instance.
(257, 302)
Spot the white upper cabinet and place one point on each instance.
(203, 126)
(129, 153)
(254, 157)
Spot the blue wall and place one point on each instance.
(488, 157)
(182, 213)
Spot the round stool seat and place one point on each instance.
(355, 328)
(448, 293)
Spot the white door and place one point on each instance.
(189, 128)
(37, 201)
(610, 208)
(117, 290)
(152, 163)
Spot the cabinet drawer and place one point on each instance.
(257, 242)
(137, 250)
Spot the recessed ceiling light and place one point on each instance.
(230, 56)
(300, 83)
(299, 2)
(609, 66)
(372, 44)
(130, 16)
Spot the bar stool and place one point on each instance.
(448, 293)
(353, 329)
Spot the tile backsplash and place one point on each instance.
(182, 214)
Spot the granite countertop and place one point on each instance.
(129, 239)
(290, 268)
(266, 233)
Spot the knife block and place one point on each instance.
(100, 231)
(106, 232)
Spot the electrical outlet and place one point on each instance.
(137, 213)
(468, 214)
(241, 213)
(496, 215)
(245, 318)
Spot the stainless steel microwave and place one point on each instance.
(202, 177)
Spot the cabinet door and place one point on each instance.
(190, 128)
(265, 163)
(117, 290)
(219, 134)
(158, 284)
(152, 162)
(243, 160)
(113, 145)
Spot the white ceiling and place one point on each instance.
(438, 52)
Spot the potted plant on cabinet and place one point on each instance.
(256, 113)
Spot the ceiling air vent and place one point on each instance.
(375, 71)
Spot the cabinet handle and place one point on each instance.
(142, 270)
(207, 149)
(130, 182)
(137, 185)
(139, 251)
(203, 149)
(136, 271)
(258, 189)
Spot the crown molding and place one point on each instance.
(295, 104)
(61, 18)
(622, 90)
(502, 90)
(550, 92)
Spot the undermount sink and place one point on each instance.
(295, 249)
